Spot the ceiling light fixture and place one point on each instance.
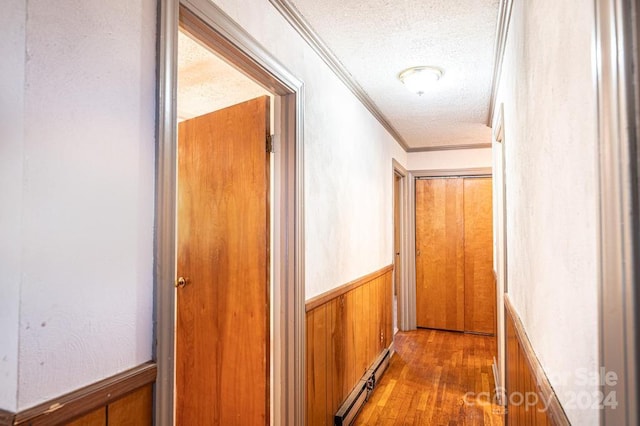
(418, 79)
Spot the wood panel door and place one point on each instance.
(440, 254)
(480, 290)
(455, 288)
(222, 329)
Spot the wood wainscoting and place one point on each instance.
(123, 399)
(528, 388)
(347, 328)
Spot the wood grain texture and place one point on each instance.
(6, 417)
(85, 400)
(428, 376)
(135, 409)
(222, 332)
(344, 337)
(317, 366)
(323, 298)
(440, 254)
(479, 290)
(525, 376)
(95, 418)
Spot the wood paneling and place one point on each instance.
(317, 366)
(222, 332)
(440, 254)
(528, 388)
(345, 334)
(133, 409)
(6, 417)
(480, 289)
(323, 298)
(94, 418)
(94, 397)
(428, 376)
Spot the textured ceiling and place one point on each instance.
(377, 39)
(207, 83)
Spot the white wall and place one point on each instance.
(81, 182)
(12, 52)
(547, 87)
(348, 172)
(84, 194)
(450, 159)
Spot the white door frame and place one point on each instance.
(213, 27)
(616, 47)
(403, 310)
(500, 249)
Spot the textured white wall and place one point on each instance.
(88, 195)
(348, 171)
(84, 186)
(12, 52)
(547, 87)
(450, 159)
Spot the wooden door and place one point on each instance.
(222, 329)
(440, 254)
(480, 290)
(397, 180)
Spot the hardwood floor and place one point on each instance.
(436, 378)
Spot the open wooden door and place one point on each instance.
(222, 329)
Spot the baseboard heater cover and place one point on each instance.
(496, 380)
(360, 393)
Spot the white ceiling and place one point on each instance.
(207, 83)
(374, 41)
(377, 39)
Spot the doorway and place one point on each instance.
(401, 299)
(282, 339)
(455, 286)
(397, 251)
(411, 261)
(223, 307)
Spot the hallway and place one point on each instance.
(541, 97)
(428, 378)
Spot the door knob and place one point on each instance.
(181, 282)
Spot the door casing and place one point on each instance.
(411, 259)
(215, 29)
(616, 47)
(402, 314)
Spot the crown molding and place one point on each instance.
(450, 147)
(502, 31)
(297, 21)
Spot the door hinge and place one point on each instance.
(270, 144)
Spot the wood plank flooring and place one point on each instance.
(436, 378)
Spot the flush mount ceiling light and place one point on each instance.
(418, 79)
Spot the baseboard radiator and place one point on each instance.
(360, 394)
(499, 392)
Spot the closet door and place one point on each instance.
(480, 290)
(455, 288)
(440, 254)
